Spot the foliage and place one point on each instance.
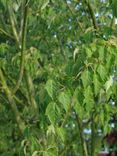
(58, 76)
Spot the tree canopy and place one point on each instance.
(58, 76)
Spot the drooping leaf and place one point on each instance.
(50, 87)
(65, 99)
(114, 7)
(52, 111)
(89, 99)
(102, 72)
(61, 133)
(78, 98)
(96, 83)
(89, 52)
(101, 51)
(86, 78)
(109, 83)
(45, 3)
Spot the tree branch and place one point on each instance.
(14, 29)
(31, 92)
(91, 12)
(6, 33)
(23, 47)
(13, 106)
(83, 143)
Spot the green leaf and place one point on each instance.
(78, 98)
(89, 99)
(101, 51)
(26, 132)
(96, 83)
(114, 7)
(65, 99)
(102, 72)
(52, 111)
(109, 83)
(76, 51)
(51, 130)
(86, 78)
(49, 153)
(61, 133)
(89, 52)
(45, 4)
(50, 87)
(7, 154)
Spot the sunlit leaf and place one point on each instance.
(86, 78)
(50, 87)
(65, 99)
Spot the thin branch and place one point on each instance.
(21, 21)
(112, 22)
(31, 92)
(14, 29)
(83, 143)
(13, 106)
(66, 117)
(23, 47)
(6, 33)
(91, 12)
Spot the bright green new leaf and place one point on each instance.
(89, 52)
(51, 112)
(45, 4)
(109, 83)
(61, 133)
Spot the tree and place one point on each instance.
(58, 73)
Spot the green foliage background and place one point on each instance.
(58, 76)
